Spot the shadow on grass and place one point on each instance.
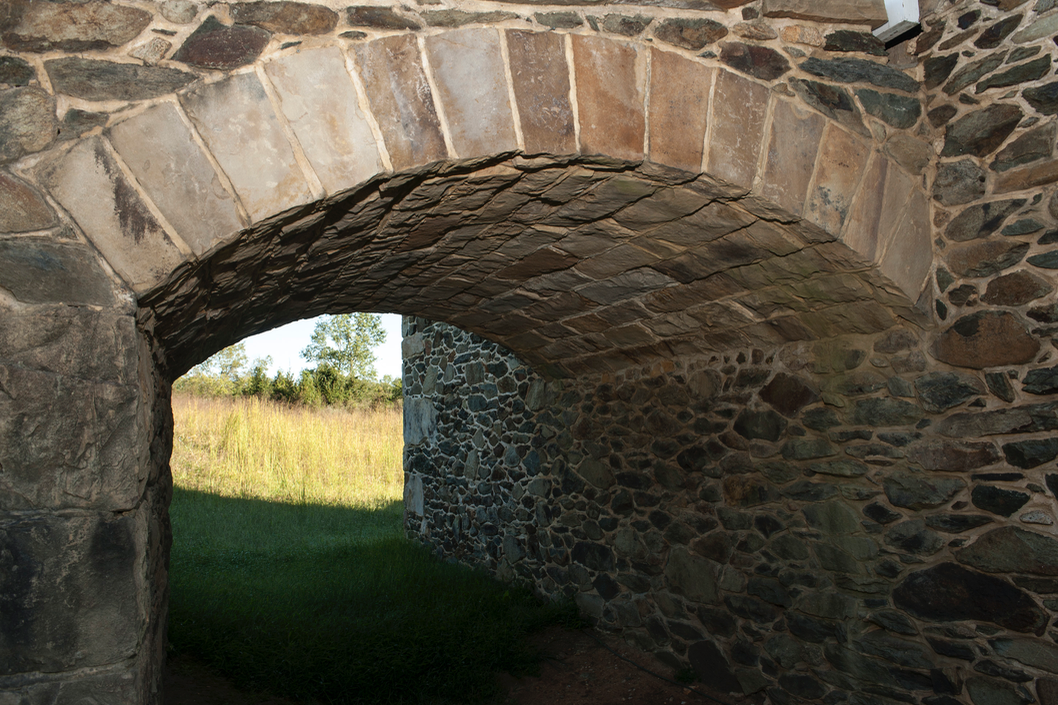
(332, 603)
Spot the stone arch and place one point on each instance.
(661, 202)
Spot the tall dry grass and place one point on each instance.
(256, 449)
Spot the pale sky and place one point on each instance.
(284, 345)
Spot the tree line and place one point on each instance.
(343, 371)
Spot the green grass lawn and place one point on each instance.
(328, 601)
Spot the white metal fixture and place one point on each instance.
(903, 16)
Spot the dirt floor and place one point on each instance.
(577, 670)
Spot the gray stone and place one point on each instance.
(998, 500)
(840, 468)
(894, 621)
(22, 209)
(882, 411)
(27, 122)
(953, 456)
(896, 110)
(959, 182)
(1041, 381)
(39, 271)
(848, 40)
(77, 122)
(807, 449)
(1023, 73)
(420, 420)
(763, 425)
(913, 537)
(994, 34)
(385, 18)
(940, 391)
(1010, 549)
(15, 71)
(957, 523)
(1046, 260)
(215, 46)
(179, 11)
(833, 101)
(894, 649)
(846, 70)
(832, 518)
(981, 132)
(936, 69)
(919, 490)
(92, 79)
(74, 26)
(974, 71)
(981, 220)
(1031, 453)
(691, 576)
(990, 691)
(295, 18)
(708, 662)
(624, 25)
(459, 18)
(1044, 99)
(693, 34)
(1031, 652)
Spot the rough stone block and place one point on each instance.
(610, 91)
(39, 271)
(795, 135)
(27, 121)
(467, 67)
(679, 103)
(90, 185)
(908, 255)
(842, 159)
(90, 79)
(540, 77)
(73, 27)
(236, 120)
(738, 113)
(870, 12)
(159, 150)
(71, 588)
(112, 685)
(318, 98)
(401, 100)
(866, 218)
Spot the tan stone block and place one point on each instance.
(801, 34)
(467, 66)
(714, 221)
(540, 78)
(739, 109)
(1028, 177)
(88, 183)
(401, 100)
(236, 120)
(869, 12)
(842, 158)
(908, 255)
(319, 100)
(610, 91)
(865, 219)
(159, 150)
(792, 150)
(679, 103)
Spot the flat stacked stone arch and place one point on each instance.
(589, 200)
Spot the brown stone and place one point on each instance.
(468, 73)
(679, 103)
(541, 88)
(954, 456)
(610, 98)
(286, 17)
(378, 17)
(909, 152)
(1028, 177)
(401, 100)
(757, 61)
(870, 12)
(842, 159)
(983, 259)
(74, 26)
(833, 101)
(908, 254)
(215, 46)
(980, 133)
(693, 34)
(1016, 289)
(791, 157)
(738, 112)
(90, 79)
(22, 209)
(27, 122)
(986, 339)
(459, 18)
(865, 219)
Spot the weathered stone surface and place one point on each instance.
(981, 132)
(1032, 146)
(1043, 381)
(940, 391)
(986, 339)
(179, 11)
(692, 576)
(999, 384)
(420, 421)
(848, 40)
(1027, 177)
(974, 71)
(763, 425)
(833, 101)
(157, 146)
(911, 153)
(908, 246)
(625, 25)
(1031, 453)
(894, 109)
(953, 456)
(985, 259)
(38, 271)
(994, 34)
(401, 100)
(1046, 260)
(73, 27)
(216, 46)
(1021, 419)
(693, 34)
(708, 661)
(959, 182)
(15, 71)
(795, 137)
(319, 101)
(882, 411)
(870, 12)
(739, 108)
(998, 500)
(936, 69)
(609, 97)
(757, 61)
(846, 70)
(1037, 29)
(71, 591)
(1010, 549)
(1031, 652)
(949, 592)
(1023, 73)
(22, 208)
(981, 220)
(1044, 99)
(842, 159)
(541, 88)
(991, 691)
(957, 523)
(788, 394)
(914, 490)
(27, 122)
(381, 18)
(77, 122)
(92, 79)
(267, 179)
(459, 18)
(90, 186)
(559, 20)
(287, 17)
(152, 52)
(679, 104)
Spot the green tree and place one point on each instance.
(345, 342)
